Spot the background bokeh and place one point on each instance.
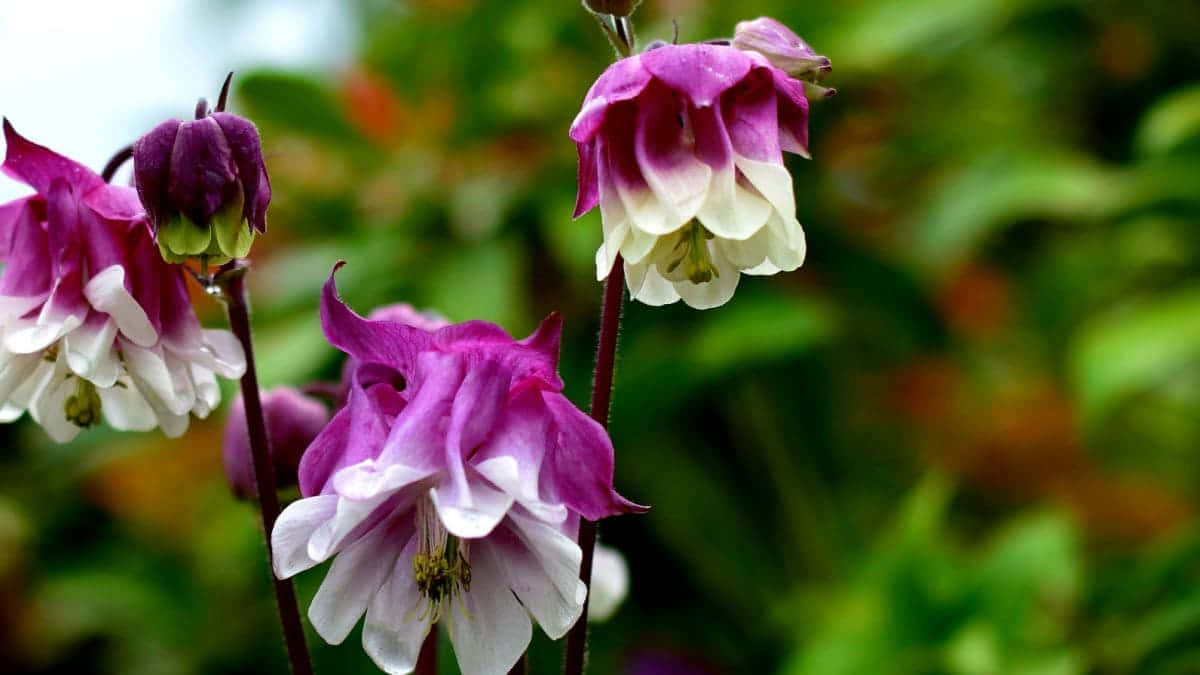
(964, 438)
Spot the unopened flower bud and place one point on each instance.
(783, 48)
(204, 185)
(293, 421)
(612, 7)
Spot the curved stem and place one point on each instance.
(602, 381)
(231, 280)
(123, 155)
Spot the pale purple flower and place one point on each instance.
(682, 147)
(93, 323)
(449, 488)
(783, 48)
(293, 421)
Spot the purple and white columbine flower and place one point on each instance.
(682, 147)
(92, 321)
(449, 488)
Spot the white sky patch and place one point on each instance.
(85, 78)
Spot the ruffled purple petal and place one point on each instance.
(39, 166)
(27, 270)
(536, 356)
(622, 81)
(115, 202)
(751, 118)
(700, 72)
(588, 194)
(578, 470)
(793, 114)
(392, 344)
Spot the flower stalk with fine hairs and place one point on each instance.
(231, 283)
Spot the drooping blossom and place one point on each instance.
(293, 420)
(93, 323)
(448, 489)
(682, 148)
(204, 184)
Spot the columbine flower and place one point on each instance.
(93, 322)
(293, 421)
(204, 184)
(681, 146)
(449, 488)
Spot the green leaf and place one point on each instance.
(1134, 349)
(293, 103)
(1172, 121)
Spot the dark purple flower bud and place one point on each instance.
(293, 421)
(204, 185)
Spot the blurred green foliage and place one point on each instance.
(963, 438)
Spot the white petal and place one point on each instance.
(610, 583)
(30, 338)
(606, 255)
(106, 292)
(392, 633)
(90, 353)
(208, 392)
(228, 358)
(352, 581)
(124, 408)
(493, 632)
(713, 293)
(15, 371)
(51, 409)
(543, 570)
(505, 474)
(16, 306)
(293, 529)
(787, 248)
(365, 480)
(638, 246)
(474, 514)
(10, 412)
(731, 211)
(152, 373)
(332, 535)
(773, 181)
(746, 254)
(646, 285)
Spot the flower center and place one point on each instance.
(689, 258)
(82, 408)
(440, 567)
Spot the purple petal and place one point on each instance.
(152, 169)
(115, 202)
(252, 170)
(386, 342)
(666, 154)
(536, 356)
(783, 48)
(402, 312)
(14, 215)
(588, 193)
(700, 72)
(622, 81)
(27, 270)
(793, 114)
(320, 460)
(417, 436)
(578, 470)
(40, 167)
(752, 120)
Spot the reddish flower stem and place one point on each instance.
(602, 382)
(232, 283)
(427, 659)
